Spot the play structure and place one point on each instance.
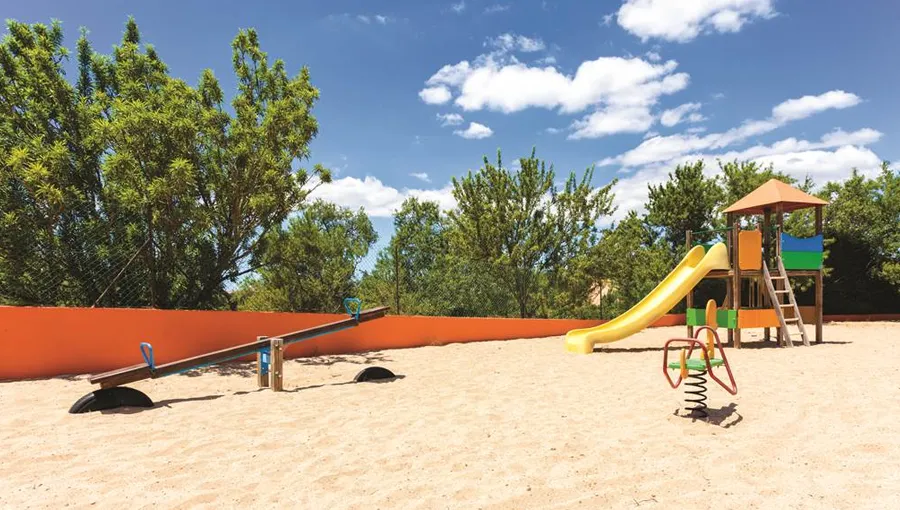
(269, 358)
(757, 266)
(693, 371)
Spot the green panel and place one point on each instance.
(802, 259)
(696, 364)
(695, 317)
(726, 318)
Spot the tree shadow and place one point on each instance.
(361, 358)
(344, 383)
(723, 417)
(761, 344)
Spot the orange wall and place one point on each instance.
(47, 342)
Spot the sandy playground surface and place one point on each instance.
(516, 424)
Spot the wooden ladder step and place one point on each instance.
(786, 305)
(778, 277)
(781, 291)
(792, 320)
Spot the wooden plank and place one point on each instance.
(277, 368)
(262, 367)
(141, 372)
(820, 282)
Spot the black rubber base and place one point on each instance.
(374, 374)
(110, 398)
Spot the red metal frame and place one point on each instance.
(693, 342)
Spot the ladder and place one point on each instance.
(775, 293)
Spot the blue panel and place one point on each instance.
(791, 243)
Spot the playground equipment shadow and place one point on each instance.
(168, 403)
(718, 417)
(248, 369)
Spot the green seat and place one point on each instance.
(696, 364)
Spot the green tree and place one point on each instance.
(521, 226)
(52, 231)
(311, 265)
(626, 264)
(689, 200)
(131, 161)
(862, 221)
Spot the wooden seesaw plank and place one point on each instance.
(135, 373)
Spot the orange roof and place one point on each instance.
(772, 193)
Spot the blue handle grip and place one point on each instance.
(147, 353)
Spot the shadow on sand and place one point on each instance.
(168, 403)
(744, 345)
(724, 417)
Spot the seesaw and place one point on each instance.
(270, 356)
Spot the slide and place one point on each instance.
(658, 302)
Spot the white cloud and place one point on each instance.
(682, 21)
(422, 176)
(650, 134)
(718, 95)
(363, 18)
(459, 7)
(613, 119)
(435, 95)
(803, 107)
(687, 111)
(831, 158)
(553, 131)
(511, 42)
(493, 9)
(608, 18)
(666, 148)
(378, 199)
(475, 131)
(488, 84)
(450, 119)
(696, 129)
(653, 56)
(619, 91)
(383, 20)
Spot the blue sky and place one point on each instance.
(634, 87)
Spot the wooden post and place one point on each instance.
(820, 282)
(767, 239)
(262, 367)
(729, 295)
(779, 284)
(277, 350)
(689, 299)
(736, 280)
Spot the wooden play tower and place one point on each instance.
(763, 261)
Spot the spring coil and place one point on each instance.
(697, 396)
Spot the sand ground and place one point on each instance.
(515, 424)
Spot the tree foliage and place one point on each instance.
(131, 162)
(311, 264)
(522, 225)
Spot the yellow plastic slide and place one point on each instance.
(657, 303)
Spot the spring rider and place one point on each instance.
(693, 371)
